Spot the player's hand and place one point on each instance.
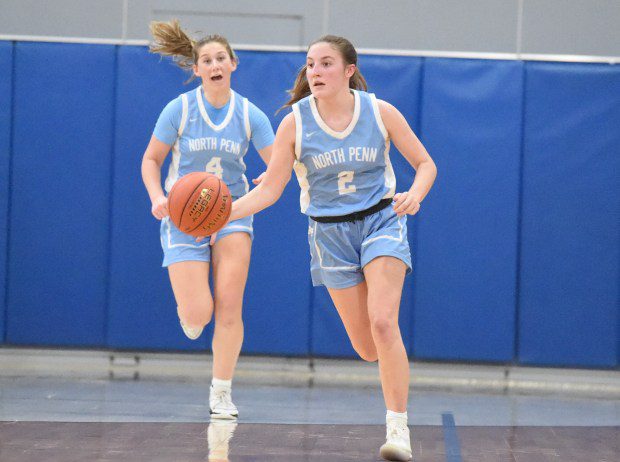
(405, 204)
(260, 178)
(159, 208)
(213, 238)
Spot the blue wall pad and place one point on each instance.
(6, 85)
(570, 226)
(467, 244)
(60, 194)
(276, 310)
(142, 311)
(397, 81)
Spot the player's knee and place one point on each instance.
(228, 322)
(384, 328)
(228, 312)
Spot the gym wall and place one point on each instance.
(516, 251)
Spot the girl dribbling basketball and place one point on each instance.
(337, 140)
(208, 128)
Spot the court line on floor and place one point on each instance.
(450, 438)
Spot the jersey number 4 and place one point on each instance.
(215, 167)
(344, 178)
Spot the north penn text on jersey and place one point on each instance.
(337, 156)
(210, 144)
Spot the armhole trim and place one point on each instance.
(298, 129)
(183, 114)
(377, 112)
(246, 118)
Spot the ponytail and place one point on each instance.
(171, 40)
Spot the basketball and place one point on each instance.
(199, 204)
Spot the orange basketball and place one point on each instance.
(199, 204)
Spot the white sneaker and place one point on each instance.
(398, 444)
(221, 405)
(219, 435)
(191, 332)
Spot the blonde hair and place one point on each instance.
(301, 87)
(171, 40)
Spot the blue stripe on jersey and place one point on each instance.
(342, 172)
(203, 145)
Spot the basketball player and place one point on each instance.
(208, 129)
(337, 139)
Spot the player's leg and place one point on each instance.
(190, 284)
(352, 308)
(335, 264)
(385, 260)
(385, 276)
(188, 267)
(231, 259)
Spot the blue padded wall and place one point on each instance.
(60, 194)
(526, 200)
(571, 208)
(467, 244)
(396, 80)
(142, 307)
(6, 85)
(277, 297)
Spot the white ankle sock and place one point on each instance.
(219, 383)
(389, 415)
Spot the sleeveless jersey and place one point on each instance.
(342, 172)
(217, 149)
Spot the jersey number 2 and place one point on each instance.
(215, 167)
(344, 178)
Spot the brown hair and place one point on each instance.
(171, 40)
(301, 88)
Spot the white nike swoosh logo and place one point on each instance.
(194, 119)
(309, 135)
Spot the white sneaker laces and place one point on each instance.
(222, 398)
(398, 432)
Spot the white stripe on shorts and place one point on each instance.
(386, 236)
(172, 246)
(330, 268)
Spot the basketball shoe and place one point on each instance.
(192, 333)
(221, 405)
(398, 445)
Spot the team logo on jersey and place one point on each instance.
(340, 156)
(212, 143)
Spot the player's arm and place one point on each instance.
(265, 154)
(262, 136)
(152, 161)
(277, 176)
(416, 154)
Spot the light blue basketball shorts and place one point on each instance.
(179, 246)
(340, 251)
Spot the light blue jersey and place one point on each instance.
(205, 138)
(217, 148)
(342, 172)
